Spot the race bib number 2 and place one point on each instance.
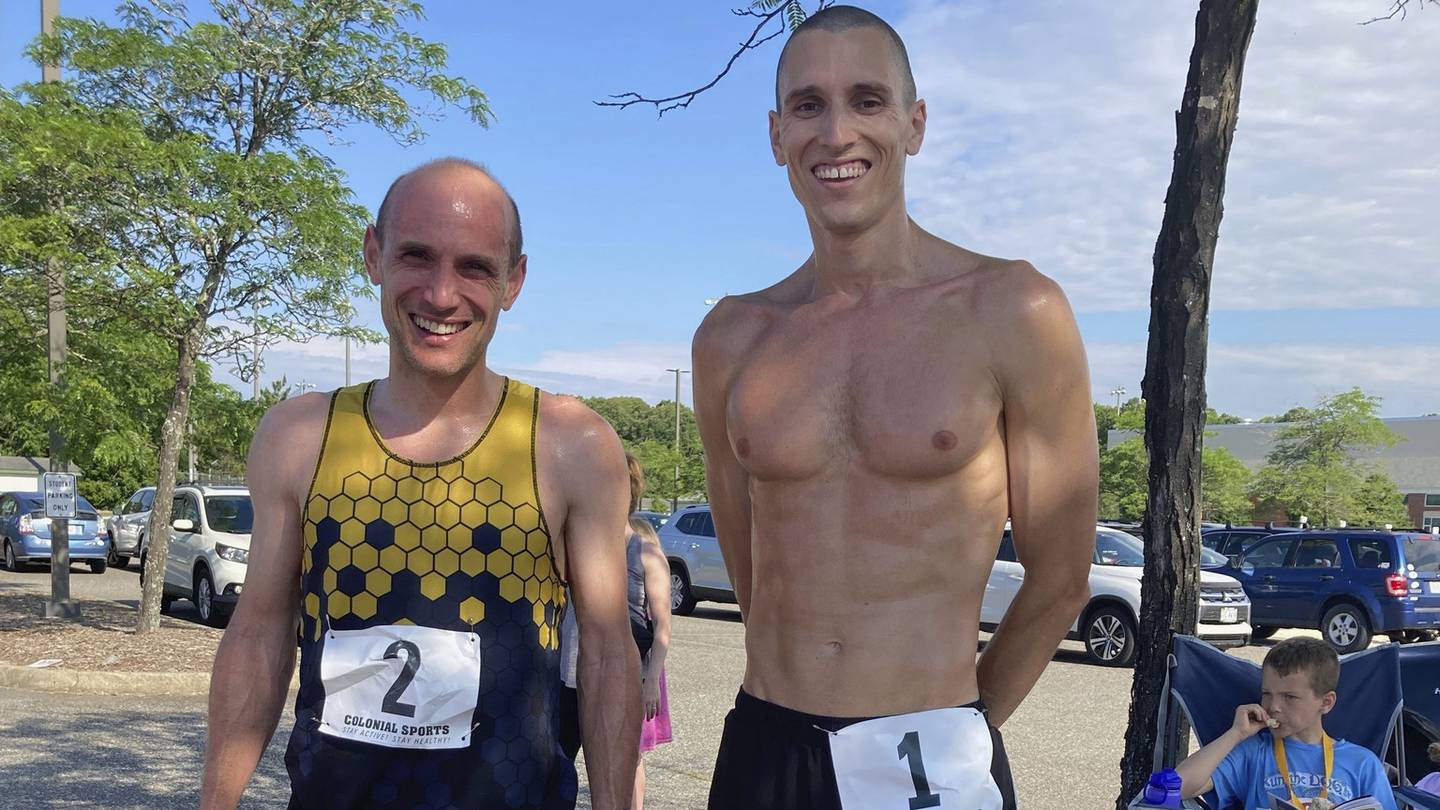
(940, 758)
(400, 686)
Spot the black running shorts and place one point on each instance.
(774, 758)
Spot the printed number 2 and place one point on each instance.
(392, 704)
(910, 747)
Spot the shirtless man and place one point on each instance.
(869, 423)
(422, 527)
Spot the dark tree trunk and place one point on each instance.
(1174, 386)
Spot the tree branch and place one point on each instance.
(1397, 8)
(665, 105)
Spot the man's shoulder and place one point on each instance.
(566, 421)
(298, 418)
(288, 440)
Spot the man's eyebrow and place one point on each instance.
(410, 244)
(858, 87)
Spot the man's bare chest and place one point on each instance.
(903, 398)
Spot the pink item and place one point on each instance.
(1430, 784)
(656, 731)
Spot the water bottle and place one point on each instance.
(1163, 789)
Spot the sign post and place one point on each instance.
(59, 508)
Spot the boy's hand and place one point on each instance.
(1249, 719)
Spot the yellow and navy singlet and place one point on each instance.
(430, 613)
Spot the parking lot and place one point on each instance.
(63, 750)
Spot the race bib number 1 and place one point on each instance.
(400, 686)
(940, 758)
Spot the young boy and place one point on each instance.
(1291, 757)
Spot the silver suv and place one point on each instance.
(697, 571)
(209, 549)
(125, 528)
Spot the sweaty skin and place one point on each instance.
(870, 422)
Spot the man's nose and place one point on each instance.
(442, 290)
(838, 131)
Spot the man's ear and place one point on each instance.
(372, 254)
(775, 139)
(514, 280)
(917, 128)
(1327, 702)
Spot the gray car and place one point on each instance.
(697, 571)
(127, 526)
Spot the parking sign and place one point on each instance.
(59, 495)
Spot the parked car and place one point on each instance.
(1231, 540)
(1348, 584)
(125, 528)
(25, 532)
(1109, 622)
(697, 571)
(209, 550)
(656, 519)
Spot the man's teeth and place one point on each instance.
(437, 327)
(844, 172)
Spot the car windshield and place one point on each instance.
(229, 513)
(1423, 552)
(1118, 548)
(1210, 558)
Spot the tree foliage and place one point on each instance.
(1311, 469)
(648, 433)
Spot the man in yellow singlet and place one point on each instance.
(424, 528)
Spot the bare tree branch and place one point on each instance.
(664, 105)
(1398, 8)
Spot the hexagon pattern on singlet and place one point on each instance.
(459, 538)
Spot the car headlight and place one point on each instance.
(232, 553)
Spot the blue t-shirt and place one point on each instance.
(1249, 774)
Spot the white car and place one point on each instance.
(1108, 623)
(209, 549)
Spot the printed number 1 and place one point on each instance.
(910, 748)
(392, 704)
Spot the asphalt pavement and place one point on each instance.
(71, 750)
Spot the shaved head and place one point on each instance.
(514, 241)
(838, 19)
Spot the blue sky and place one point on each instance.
(1050, 138)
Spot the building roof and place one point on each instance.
(1414, 463)
(30, 465)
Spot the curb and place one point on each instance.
(107, 683)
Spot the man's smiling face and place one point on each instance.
(442, 261)
(845, 126)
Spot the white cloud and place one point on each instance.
(1254, 380)
(1051, 133)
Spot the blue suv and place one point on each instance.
(1348, 584)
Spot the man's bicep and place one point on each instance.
(595, 530)
(726, 481)
(280, 454)
(1050, 437)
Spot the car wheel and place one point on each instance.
(682, 601)
(1109, 635)
(1261, 632)
(114, 558)
(203, 596)
(97, 566)
(11, 564)
(1345, 628)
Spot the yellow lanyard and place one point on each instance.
(1327, 745)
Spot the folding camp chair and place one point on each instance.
(1420, 682)
(1205, 685)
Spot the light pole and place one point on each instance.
(675, 496)
(347, 361)
(1117, 393)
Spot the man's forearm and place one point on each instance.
(1023, 644)
(247, 695)
(610, 719)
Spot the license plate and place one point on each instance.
(1433, 586)
(1229, 615)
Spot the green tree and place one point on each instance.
(1378, 501)
(648, 432)
(1104, 423)
(236, 225)
(1214, 417)
(1311, 471)
(1124, 472)
(1224, 486)
(1299, 413)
